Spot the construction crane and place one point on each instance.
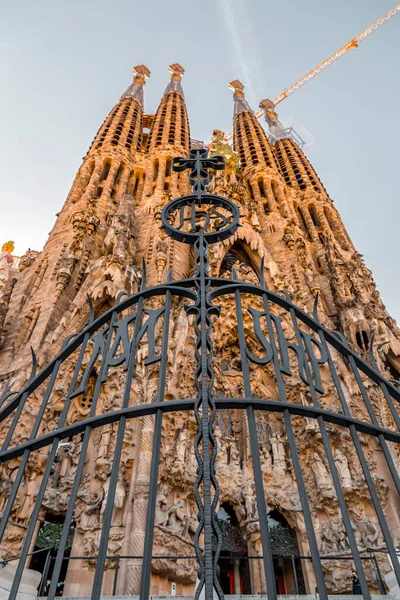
(354, 43)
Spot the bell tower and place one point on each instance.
(169, 136)
(91, 248)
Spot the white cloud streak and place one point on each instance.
(240, 31)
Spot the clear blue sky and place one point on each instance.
(65, 64)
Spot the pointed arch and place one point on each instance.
(240, 251)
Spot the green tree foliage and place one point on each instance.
(50, 535)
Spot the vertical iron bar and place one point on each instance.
(255, 456)
(43, 484)
(33, 519)
(102, 552)
(296, 583)
(205, 412)
(21, 403)
(35, 429)
(374, 420)
(316, 560)
(80, 466)
(360, 453)
(117, 561)
(43, 582)
(205, 426)
(332, 468)
(155, 456)
(389, 400)
(379, 578)
(15, 420)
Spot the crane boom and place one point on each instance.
(322, 66)
(343, 50)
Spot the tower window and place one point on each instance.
(261, 188)
(313, 215)
(274, 188)
(155, 173)
(129, 187)
(106, 170)
(362, 340)
(302, 220)
(267, 210)
(118, 174)
(329, 218)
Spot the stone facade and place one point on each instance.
(107, 227)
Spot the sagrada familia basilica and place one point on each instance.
(106, 239)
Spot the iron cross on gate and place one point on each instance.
(198, 162)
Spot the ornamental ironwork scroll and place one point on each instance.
(136, 331)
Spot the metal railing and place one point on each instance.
(113, 340)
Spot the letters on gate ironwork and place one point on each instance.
(115, 338)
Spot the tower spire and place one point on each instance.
(249, 139)
(171, 125)
(174, 85)
(275, 127)
(135, 90)
(240, 101)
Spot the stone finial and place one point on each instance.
(140, 74)
(275, 127)
(174, 85)
(269, 110)
(176, 70)
(135, 90)
(237, 86)
(240, 101)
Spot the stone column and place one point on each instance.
(94, 180)
(109, 182)
(309, 222)
(174, 184)
(269, 195)
(281, 199)
(161, 176)
(139, 512)
(123, 182)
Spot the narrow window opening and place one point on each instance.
(274, 189)
(118, 175)
(129, 187)
(329, 219)
(155, 174)
(302, 220)
(105, 172)
(313, 215)
(261, 188)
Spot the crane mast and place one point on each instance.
(354, 43)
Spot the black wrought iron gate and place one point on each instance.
(113, 340)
